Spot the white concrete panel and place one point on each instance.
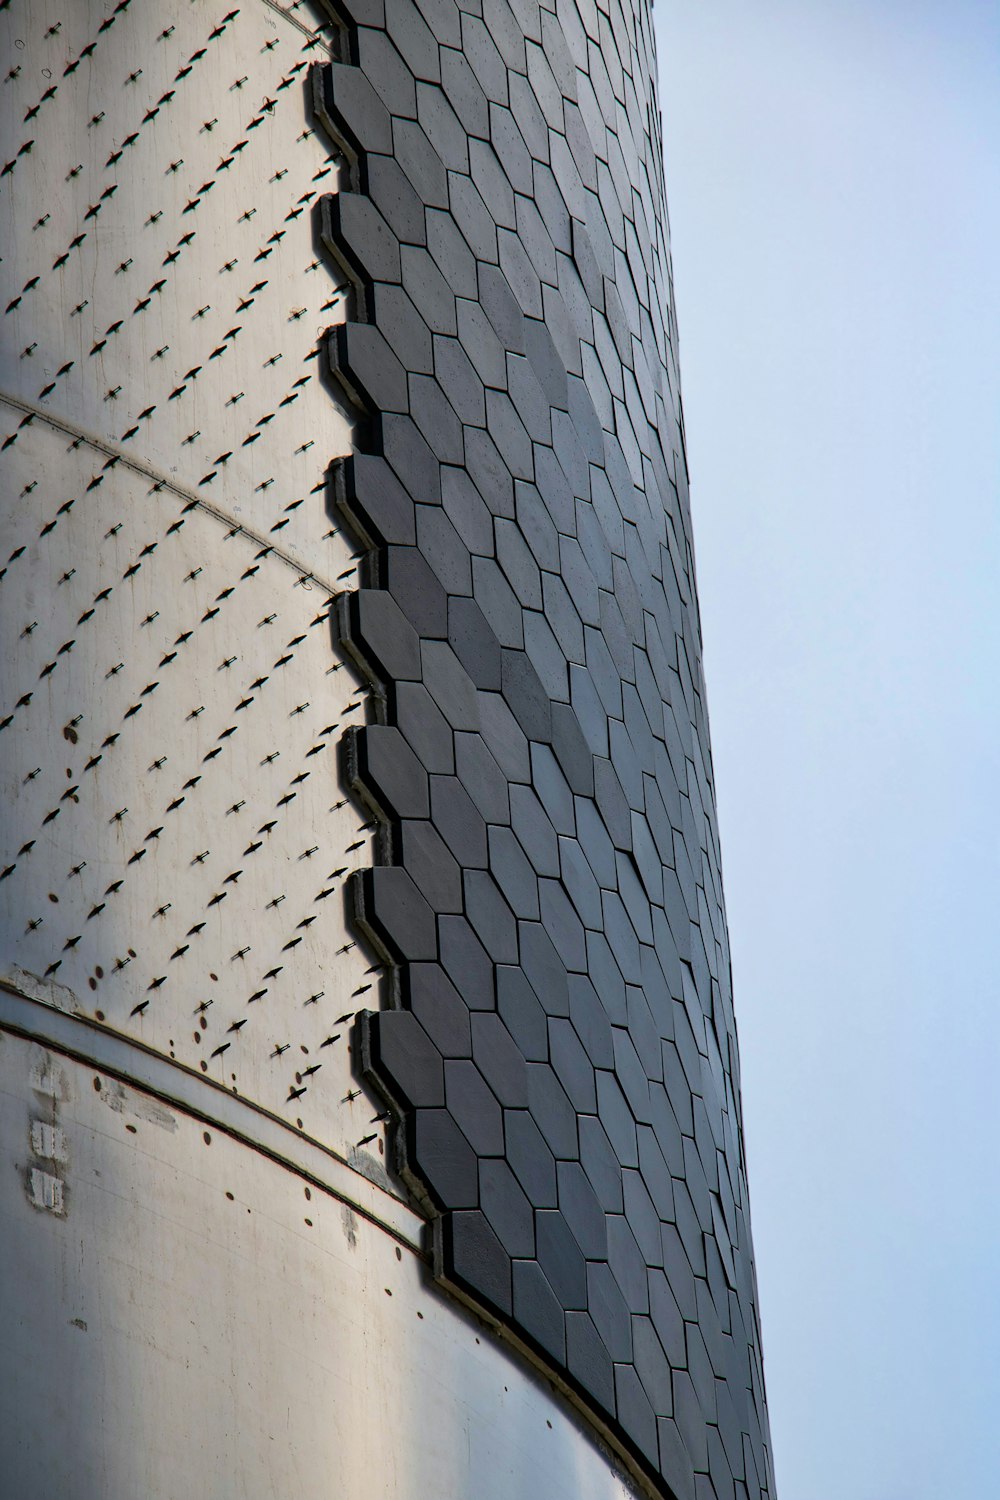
(176, 834)
(181, 1316)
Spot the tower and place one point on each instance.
(369, 1076)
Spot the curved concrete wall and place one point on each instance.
(487, 603)
(197, 1319)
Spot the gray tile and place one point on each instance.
(655, 1174)
(582, 1211)
(590, 1021)
(627, 1264)
(552, 1111)
(588, 1358)
(631, 1075)
(401, 1053)
(445, 21)
(449, 685)
(607, 978)
(499, 1061)
(675, 1461)
(443, 127)
(388, 73)
(609, 1311)
(483, 57)
(518, 269)
(451, 253)
(652, 1366)
(474, 643)
(464, 90)
(491, 180)
(489, 472)
(421, 163)
(595, 843)
(573, 1067)
(522, 1013)
(430, 293)
(458, 821)
(418, 592)
(482, 777)
(409, 455)
(474, 1258)
(616, 1117)
(560, 1258)
(424, 727)
(370, 497)
(506, 32)
(513, 873)
(437, 419)
(413, 37)
(358, 114)
(389, 643)
(507, 1209)
(543, 968)
(505, 738)
(578, 878)
(466, 962)
(462, 501)
(635, 1412)
(509, 145)
(538, 1310)
(386, 770)
(427, 858)
(390, 909)
(475, 222)
(536, 525)
(474, 1107)
(531, 121)
(530, 1158)
(642, 1220)
(622, 937)
(554, 488)
(515, 558)
(562, 614)
(447, 1162)
(526, 393)
(546, 658)
(571, 750)
(553, 789)
(405, 330)
(439, 1008)
(499, 604)
(526, 696)
(534, 831)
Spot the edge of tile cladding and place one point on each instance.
(378, 497)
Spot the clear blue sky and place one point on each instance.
(834, 189)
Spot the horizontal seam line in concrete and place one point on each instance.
(132, 1063)
(138, 466)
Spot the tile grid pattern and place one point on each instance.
(563, 1053)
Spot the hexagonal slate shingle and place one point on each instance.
(563, 1059)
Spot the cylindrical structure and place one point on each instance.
(369, 1095)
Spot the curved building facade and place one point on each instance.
(370, 1091)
